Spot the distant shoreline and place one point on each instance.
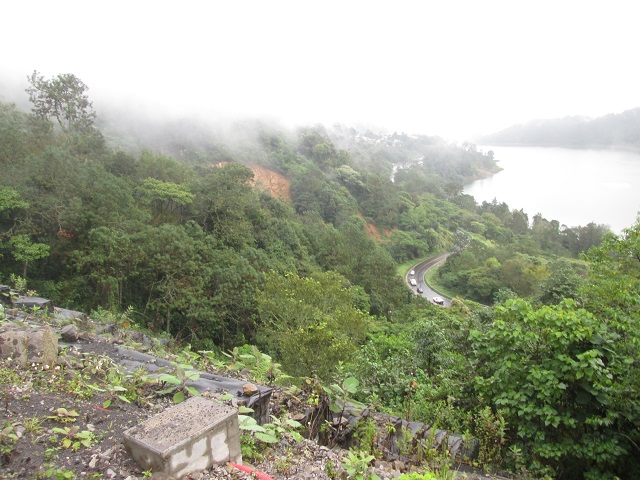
(593, 146)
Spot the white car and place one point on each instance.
(412, 272)
(413, 282)
(438, 300)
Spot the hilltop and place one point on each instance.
(620, 130)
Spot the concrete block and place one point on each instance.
(5, 295)
(67, 315)
(28, 303)
(189, 437)
(29, 345)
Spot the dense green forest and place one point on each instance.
(614, 130)
(537, 357)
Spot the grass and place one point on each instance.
(403, 268)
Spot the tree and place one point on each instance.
(10, 199)
(20, 134)
(226, 205)
(63, 98)
(24, 250)
(164, 197)
(310, 323)
(557, 374)
(519, 221)
(563, 282)
(110, 259)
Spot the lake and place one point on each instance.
(573, 186)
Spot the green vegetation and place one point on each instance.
(299, 283)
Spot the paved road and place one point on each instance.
(420, 270)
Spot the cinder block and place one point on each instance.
(28, 303)
(192, 436)
(29, 345)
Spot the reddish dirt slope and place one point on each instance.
(273, 182)
(279, 186)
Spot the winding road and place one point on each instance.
(420, 270)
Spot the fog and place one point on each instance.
(456, 69)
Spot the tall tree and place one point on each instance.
(26, 251)
(310, 323)
(62, 98)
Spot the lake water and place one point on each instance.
(573, 186)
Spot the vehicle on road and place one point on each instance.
(420, 290)
(413, 282)
(438, 300)
(412, 272)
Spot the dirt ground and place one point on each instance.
(41, 408)
(66, 422)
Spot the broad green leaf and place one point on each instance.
(351, 384)
(178, 397)
(193, 391)
(265, 437)
(170, 379)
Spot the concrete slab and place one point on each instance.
(192, 436)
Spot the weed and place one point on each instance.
(33, 425)
(8, 440)
(63, 415)
(209, 360)
(121, 321)
(176, 383)
(78, 386)
(74, 438)
(261, 366)
(405, 442)
(60, 474)
(418, 476)
(271, 432)
(331, 470)
(9, 375)
(250, 448)
(366, 432)
(19, 283)
(340, 394)
(357, 466)
(490, 429)
(51, 453)
(128, 387)
(284, 463)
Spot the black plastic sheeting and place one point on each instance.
(207, 382)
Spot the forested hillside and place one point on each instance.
(174, 228)
(614, 130)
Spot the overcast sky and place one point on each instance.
(449, 68)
